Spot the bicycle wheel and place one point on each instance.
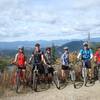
(95, 73)
(84, 74)
(34, 81)
(99, 73)
(17, 82)
(73, 77)
(56, 79)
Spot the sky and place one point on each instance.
(48, 19)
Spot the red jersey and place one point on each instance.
(21, 59)
(97, 55)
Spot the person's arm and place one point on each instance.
(91, 54)
(79, 55)
(15, 59)
(25, 60)
(95, 57)
(43, 59)
(31, 58)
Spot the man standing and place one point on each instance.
(86, 56)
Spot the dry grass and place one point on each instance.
(7, 78)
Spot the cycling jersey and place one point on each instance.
(48, 58)
(97, 55)
(20, 60)
(86, 54)
(65, 58)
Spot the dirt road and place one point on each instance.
(68, 93)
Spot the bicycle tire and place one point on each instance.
(56, 80)
(17, 82)
(99, 74)
(73, 77)
(34, 81)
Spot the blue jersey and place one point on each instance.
(86, 54)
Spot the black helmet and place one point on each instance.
(37, 45)
(48, 48)
(21, 47)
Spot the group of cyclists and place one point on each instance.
(44, 60)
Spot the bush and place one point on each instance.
(3, 64)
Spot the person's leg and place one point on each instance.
(63, 72)
(89, 69)
(24, 75)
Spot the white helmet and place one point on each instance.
(85, 44)
(65, 48)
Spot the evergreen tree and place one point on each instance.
(54, 56)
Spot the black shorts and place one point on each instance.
(40, 68)
(86, 63)
(64, 67)
(21, 68)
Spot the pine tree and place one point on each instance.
(54, 57)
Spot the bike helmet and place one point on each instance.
(37, 45)
(65, 48)
(21, 47)
(48, 48)
(85, 44)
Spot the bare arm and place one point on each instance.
(15, 59)
(43, 59)
(31, 58)
(79, 55)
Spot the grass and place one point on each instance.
(5, 80)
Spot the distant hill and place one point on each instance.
(95, 39)
(30, 44)
(73, 46)
(44, 43)
(76, 46)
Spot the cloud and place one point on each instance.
(48, 19)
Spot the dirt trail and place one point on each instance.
(68, 93)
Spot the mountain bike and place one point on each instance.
(19, 78)
(54, 76)
(97, 72)
(70, 75)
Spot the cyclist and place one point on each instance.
(97, 56)
(65, 63)
(37, 58)
(97, 60)
(20, 61)
(86, 55)
(48, 58)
